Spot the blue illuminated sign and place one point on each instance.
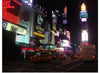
(4, 25)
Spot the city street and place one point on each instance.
(68, 65)
(49, 36)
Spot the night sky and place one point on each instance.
(73, 9)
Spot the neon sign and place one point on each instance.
(17, 2)
(83, 7)
(7, 3)
(11, 10)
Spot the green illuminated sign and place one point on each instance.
(83, 14)
(52, 47)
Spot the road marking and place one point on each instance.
(73, 67)
(49, 69)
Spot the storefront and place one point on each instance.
(28, 52)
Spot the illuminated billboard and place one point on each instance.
(14, 28)
(64, 18)
(28, 2)
(83, 14)
(64, 21)
(10, 10)
(65, 43)
(39, 25)
(84, 34)
(52, 47)
(39, 20)
(83, 19)
(54, 20)
(65, 10)
(25, 20)
(68, 35)
(83, 7)
(47, 38)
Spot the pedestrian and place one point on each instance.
(72, 55)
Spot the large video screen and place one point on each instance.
(65, 43)
(84, 36)
(47, 39)
(39, 24)
(39, 20)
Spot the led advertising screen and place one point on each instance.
(39, 25)
(83, 19)
(22, 38)
(52, 47)
(10, 10)
(54, 20)
(84, 34)
(39, 20)
(25, 20)
(47, 38)
(83, 7)
(65, 43)
(64, 18)
(83, 14)
(64, 21)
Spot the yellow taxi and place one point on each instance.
(61, 56)
(77, 56)
(43, 57)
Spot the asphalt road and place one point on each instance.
(68, 65)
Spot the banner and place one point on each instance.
(14, 28)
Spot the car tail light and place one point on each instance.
(93, 57)
(82, 57)
(30, 57)
(38, 57)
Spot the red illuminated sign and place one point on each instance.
(9, 17)
(17, 2)
(10, 10)
(30, 48)
(24, 48)
(36, 49)
(84, 43)
(6, 4)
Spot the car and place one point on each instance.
(52, 56)
(77, 56)
(61, 56)
(43, 57)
